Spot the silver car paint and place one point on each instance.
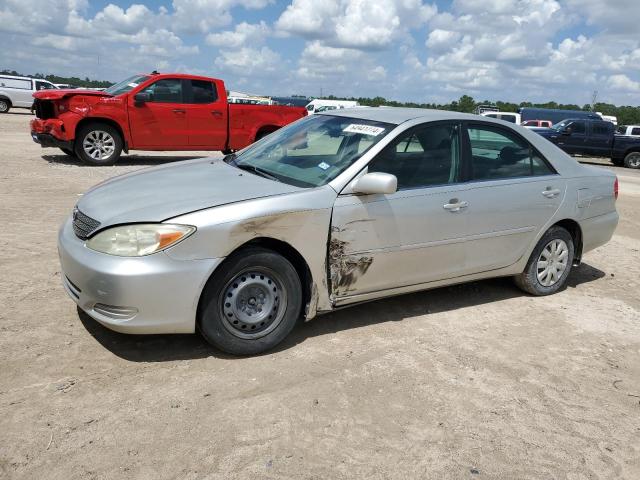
(353, 246)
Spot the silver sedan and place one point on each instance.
(333, 210)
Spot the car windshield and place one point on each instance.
(126, 85)
(312, 151)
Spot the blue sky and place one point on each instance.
(514, 50)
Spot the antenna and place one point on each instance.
(593, 100)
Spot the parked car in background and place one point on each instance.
(609, 118)
(17, 92)
(555, 115)
(506, 116)
(537, 123)
(319, 105)
(152, 112)
(595, 138)
(334, 210)
(629, 130)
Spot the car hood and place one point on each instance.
(161, 193)
(64, 93)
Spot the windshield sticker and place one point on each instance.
(364, 129)
(324, 165)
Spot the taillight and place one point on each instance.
(615, 188)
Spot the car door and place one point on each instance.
(161, 121)
(600, 139)
(574, 137)
(513, 192)
(412, 236)
(206, 115)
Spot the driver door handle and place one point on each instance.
(179, 111)
(551, 192)
(217, 113)
(455, 205)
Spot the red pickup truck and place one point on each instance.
(151, 112)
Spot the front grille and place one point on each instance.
(83, 225)
(44, 109)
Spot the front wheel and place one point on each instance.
(98, 144)
(4, 105)
(632, 160)
(251, 304)
(549, 265)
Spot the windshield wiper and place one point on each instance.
(257, 170)
(230, 158)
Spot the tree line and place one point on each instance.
(627, 115)
(73, 81)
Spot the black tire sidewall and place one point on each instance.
(530, 276)
(85, 130)
(8, 105)
(209, 318)
(627, 161)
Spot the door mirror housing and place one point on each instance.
(567, 131)
(141, 98)
(375, 183)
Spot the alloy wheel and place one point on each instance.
(99, 145)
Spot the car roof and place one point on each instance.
(398, 115)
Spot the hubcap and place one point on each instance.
(4, 106)
(99, 145)
(552, 262)
(634, 160)
(253, 304)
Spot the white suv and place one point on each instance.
(17, 92)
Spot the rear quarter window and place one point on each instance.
(15, 83)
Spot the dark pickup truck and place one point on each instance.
(595, 138)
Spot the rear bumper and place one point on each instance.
(597, 231)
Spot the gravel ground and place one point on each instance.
(471, 381)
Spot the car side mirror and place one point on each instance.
(375, 183)
(141, 98)
(567, 131)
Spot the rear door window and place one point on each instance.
(498, 154)
(635, 131)
(203, 91)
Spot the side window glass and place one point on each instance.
(203, 91)
(578, 127)
(44, 86)
(426, 157)
(497, 154)
(167, 90)
(635, 131)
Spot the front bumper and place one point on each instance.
(151, 294)
(51, 133)
(48, 140)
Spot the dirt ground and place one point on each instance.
(471, 381)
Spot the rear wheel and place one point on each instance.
(252, 303)
(632, 160)
(98, 144)
(549, 265)
(4, 105)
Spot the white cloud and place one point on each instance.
(245, 34)
(200, 16)
(249, 61)
(361, 24)
(623, 83)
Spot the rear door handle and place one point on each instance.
(455, 205)
(551, 192)
(179, 110)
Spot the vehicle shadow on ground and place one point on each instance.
(125, 160)
(162, 348)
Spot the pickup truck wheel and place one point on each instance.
(4, 105)
(549, 265)
(251, 304)
(632, 160)
(98, 144)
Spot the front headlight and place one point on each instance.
(139, 239)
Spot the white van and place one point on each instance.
(506, 116)
(17, 92)
(319, 105)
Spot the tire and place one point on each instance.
(106, 142)
(5, 105)
(260, 135)
(251, 304)
(533, 281)
(632, 160)
(68, 151)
